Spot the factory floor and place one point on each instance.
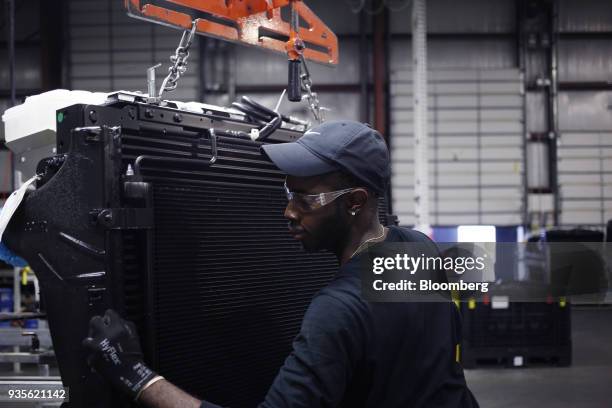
(587, 383)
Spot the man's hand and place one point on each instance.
(114, 352)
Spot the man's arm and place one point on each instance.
(325, 355)
(164, 394)
(315, 374)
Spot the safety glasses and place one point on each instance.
(311, 202)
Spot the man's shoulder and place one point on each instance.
(411, 239)
(405, 234)
(344, 294)
(332, 312)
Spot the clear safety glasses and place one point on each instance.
(311, 202)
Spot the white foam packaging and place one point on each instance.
(37, 113)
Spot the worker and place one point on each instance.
(349, 352)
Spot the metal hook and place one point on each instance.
(213, 146)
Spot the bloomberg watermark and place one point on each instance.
(528, 272)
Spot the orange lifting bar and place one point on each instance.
(252, 22)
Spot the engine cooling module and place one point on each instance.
(174, 219)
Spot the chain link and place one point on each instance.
(317, 110)
(179, 61)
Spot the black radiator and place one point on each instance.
(174, 219)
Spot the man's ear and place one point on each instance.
(357, 200)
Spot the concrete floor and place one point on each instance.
(587, 383)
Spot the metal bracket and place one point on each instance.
(213, 146)
(93, 133)
(124, 218)
(152, 85)
(256, 23)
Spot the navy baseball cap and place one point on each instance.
(348, 146)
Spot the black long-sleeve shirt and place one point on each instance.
(354, 353)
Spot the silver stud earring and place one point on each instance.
(353, 212)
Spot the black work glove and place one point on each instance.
(114, 352)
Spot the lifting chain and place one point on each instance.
(317, 110)
(179, 61)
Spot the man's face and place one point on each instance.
(323, 227)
